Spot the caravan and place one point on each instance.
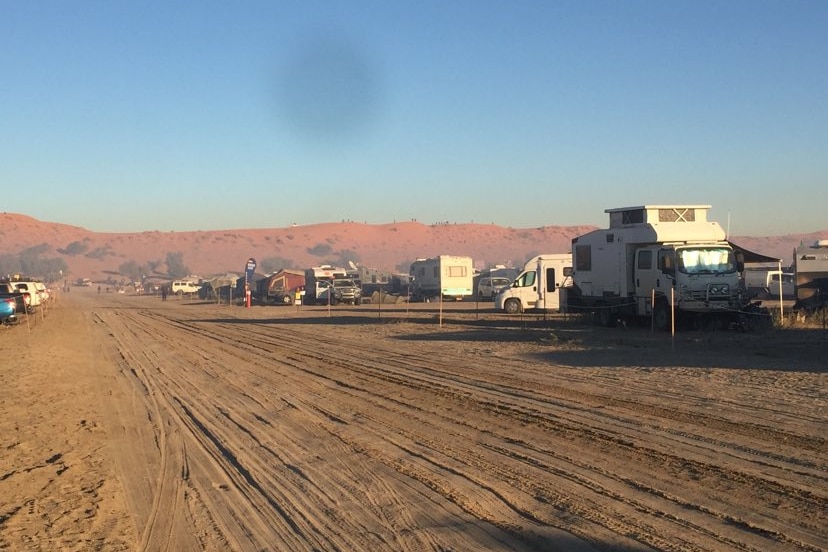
(541, 286)
(448, 277)
(811, 269)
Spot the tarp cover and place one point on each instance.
(752, 257)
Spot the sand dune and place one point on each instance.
(390, 246)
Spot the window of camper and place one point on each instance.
(677, 215)
(583, 257)
(550, 279)
(645, 260)
(456, 271)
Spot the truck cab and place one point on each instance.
(698, 277)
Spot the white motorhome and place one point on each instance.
(317, 281)
(541, 286)
(446, 277)
(653, 255)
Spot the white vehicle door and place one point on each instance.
(526, 288)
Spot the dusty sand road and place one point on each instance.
(128, 423)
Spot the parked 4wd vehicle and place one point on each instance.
(488, 287)
(184, 286)
(345, 290)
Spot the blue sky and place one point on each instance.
(205, 115)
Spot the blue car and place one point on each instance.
(7, 307)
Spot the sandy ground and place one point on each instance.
(128, 423)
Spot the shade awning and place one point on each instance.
(751, 257)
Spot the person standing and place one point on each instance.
(163, 293)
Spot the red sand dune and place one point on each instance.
(390, 246)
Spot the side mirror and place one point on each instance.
(740, 261)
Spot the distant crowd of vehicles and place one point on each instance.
(667, 264)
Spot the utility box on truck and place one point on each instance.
(540, 287)
(811, 276)
(446, 276)
(652, 256)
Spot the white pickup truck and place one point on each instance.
(37, 291)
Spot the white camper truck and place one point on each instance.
(651, 256)
(317, 281)
(541, 286)
(446, 276)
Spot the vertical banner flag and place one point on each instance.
(249, 268)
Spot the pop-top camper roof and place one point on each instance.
(664, 223)
(651, 214)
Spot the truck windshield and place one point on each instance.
(707, 260)
(526, 279)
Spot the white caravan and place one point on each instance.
(446, 276)
(540, 287)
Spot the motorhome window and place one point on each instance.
(583, 257)
(550, 279)
(666, 262)
(677, 215)
(633, 217)
(712, 260)
(457, 271)
(526, 279)
(645, 260)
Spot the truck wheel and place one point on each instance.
(287, 300)
(512, 306)
(661, 316)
